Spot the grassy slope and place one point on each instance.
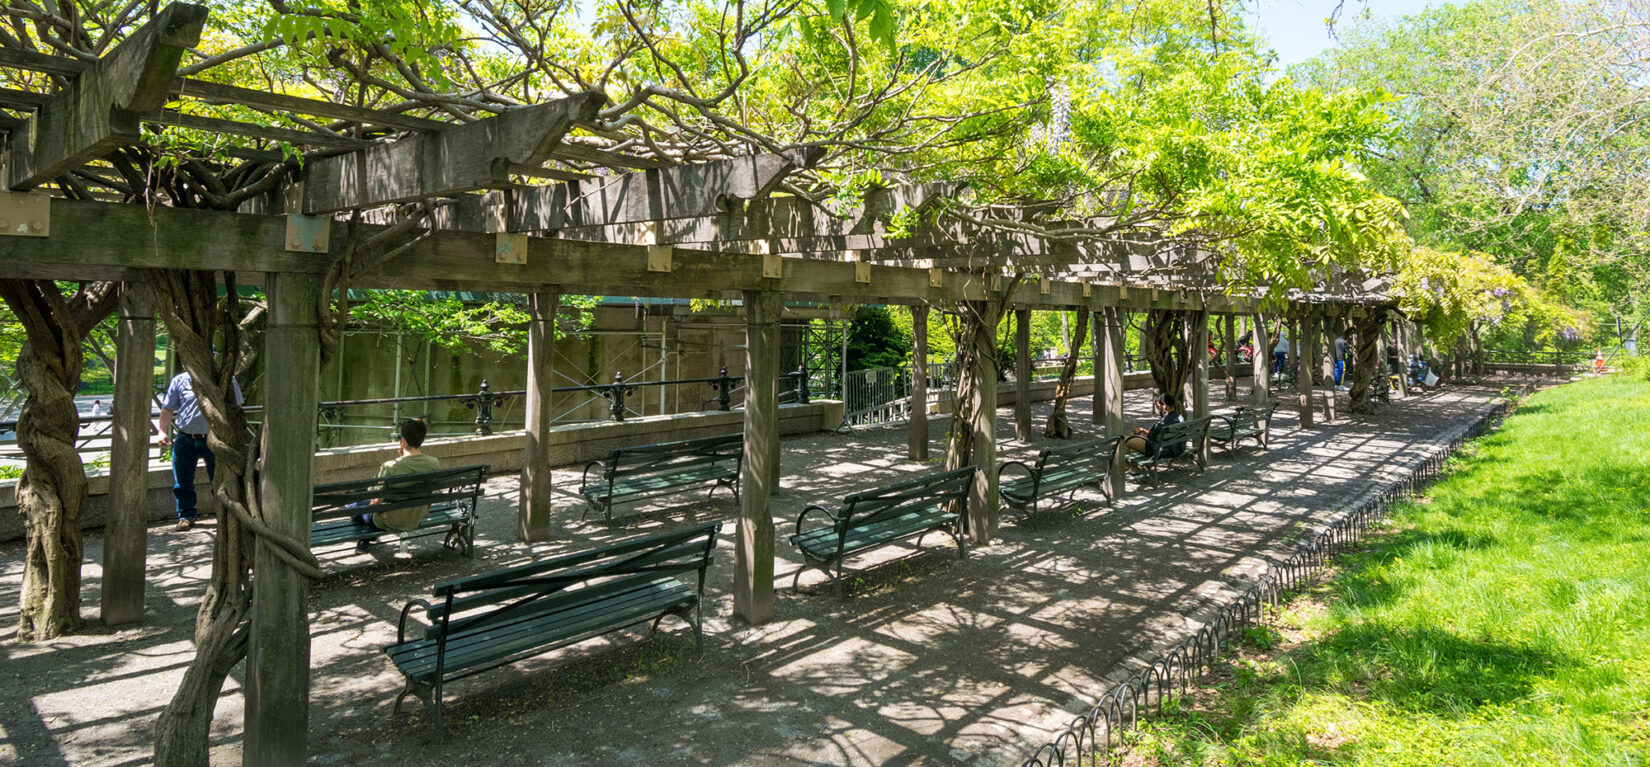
(1505, 621)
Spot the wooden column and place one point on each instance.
(277, 663)
(916, 429)
(127, 542)
(1108, 368)
(1306, 340)
(1097, 351)
(533, 508)
(753, 539)
(1200, 365)
(1022, 375)
(1326, 327)
(1261, 367)
(1229, 361)
(1397, 331)
(982, 498)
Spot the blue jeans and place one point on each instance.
(187, 452)
(1279, 361)
(1339, 366)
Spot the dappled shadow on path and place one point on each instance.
(933, 660)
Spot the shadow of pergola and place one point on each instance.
(932, 660)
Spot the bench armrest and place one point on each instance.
(584, 480)
(821, 509)
(1030, 473)
(401, 628)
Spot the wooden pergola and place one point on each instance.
(528, 201)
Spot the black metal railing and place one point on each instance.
(1172, 673)
(1538, 356)
(485, 401)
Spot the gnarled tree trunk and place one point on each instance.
(1368, 362)
(1059, 425)
(1166, 339)
(51, 494)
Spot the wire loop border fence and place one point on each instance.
(1121, 707)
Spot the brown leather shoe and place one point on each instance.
(184, 524)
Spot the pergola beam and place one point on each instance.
(104, 106)
(461, 158)
(80, 247)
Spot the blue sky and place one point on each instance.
(1296, 29)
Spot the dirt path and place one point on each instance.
(933, 661)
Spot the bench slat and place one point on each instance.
(338, 531)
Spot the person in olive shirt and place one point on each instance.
(409, 460)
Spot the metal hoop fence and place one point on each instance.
(1122, 706)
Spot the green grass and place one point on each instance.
(1505, 620)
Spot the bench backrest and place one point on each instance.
(1098, 450)
(475, 601)
(1193, 431)
(669, 457)
(1253, 417)
(871, 506)
(430, 488)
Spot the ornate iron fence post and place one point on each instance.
(724, 390)
(802, 383)
(615, 393)
(482, 403)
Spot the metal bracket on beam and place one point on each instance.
(510, 248)
(1044, 286)
(862, 272)
(1122, 291)
(936, 278)
(658, 258)
(25, 215)
(1088, 289)
(308, 234)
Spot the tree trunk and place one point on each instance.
(1167, 340)
(188, 301)
(51, 494)
(1058, 425)
(973, 417)
(1368, 363)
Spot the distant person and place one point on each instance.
(1280, 353)
(410, 459)
(97, 408)
(181, 408)
(1145, 440)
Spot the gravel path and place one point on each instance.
(932, 661)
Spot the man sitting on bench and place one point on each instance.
(1144, 441)
(409, 460)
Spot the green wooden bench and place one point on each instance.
(883, 515)
(482, 622)
(451, 494)
(646, 471)
(1192, 434)
(1057, 470)
(1244, 423)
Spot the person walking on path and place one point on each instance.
(180, 408)
(1280, 353)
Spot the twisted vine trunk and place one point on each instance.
(189, 305)
(51, 494)
(1059, 425)
(1368, 363)
(1167, 340)
(976, 358)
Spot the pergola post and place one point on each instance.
(982, 407)
(1307, 342)
(1097, 353)
(533, 508)
(1200, 365)
(127, 541)
(1326, 328)
(1396, 328)
(1108, 382)
(277, 663)
(916, 429)
(1022, 375)
(753, 539)
(1261, 361)
(1229, 360)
